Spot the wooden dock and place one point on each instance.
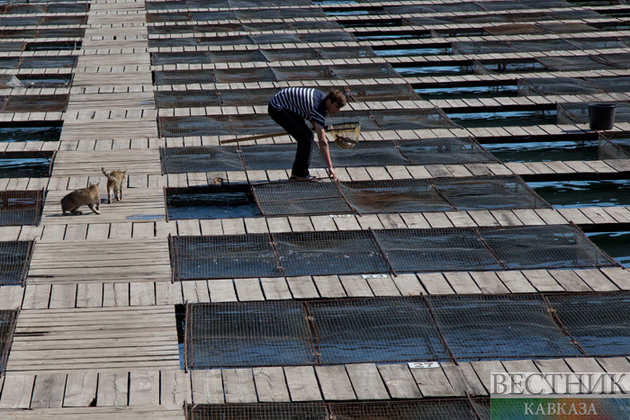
(96, 333)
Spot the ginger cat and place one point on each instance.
(115, 180)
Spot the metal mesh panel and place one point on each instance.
(578, 113)
(611, 84)
(7, 327)
(187, 99)
(411, 250)
(216, 125)
(181, 77)
(21, 207)
(229, 256)
(34, 103)
(413, 119)
(397, 196)
(367, 153)
(178, 160)
(546, 45)
(597, 321)
(431, 409)
(277, 156)
(608, 150)
(507, 192)
(375, 330)
(556, 86)
(14, 261)
(328, 253)
(506, 326)
(482, 47)
(582, 63)
(558, 246)
(247, 334)
(444, 150)
(300, 198)
(259, 411)
(245, 75)
(382, 93)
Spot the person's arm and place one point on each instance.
(323, 149)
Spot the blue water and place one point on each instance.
(588, 193)
(467, 92)
(544, 151)
(615, 244)
(24, 168)
(44, 133)
(218, 205)
(502, 119)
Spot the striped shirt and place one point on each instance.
(308, 103)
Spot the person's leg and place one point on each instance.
(297, 128)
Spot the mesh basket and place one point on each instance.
(15, 258)
(502, 327)
(21, 207)
(233, 334)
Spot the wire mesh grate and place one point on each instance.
(613, 146)
(393, 196)
(410, 250)
(29, 164)
(329, 253)
(558, 246)
(503, 192)
(7, 327)
(597, 321)
(499, 327)
(300, 198)
(276, 156)
(232, 334)
(228, 256)
(21, 207)
(556, 86)
(15, 258)
(444, 150)
(378, 329)
(177, 160)
(258, 411)
(368, 153)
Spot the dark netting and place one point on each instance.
(555, 246)
(7, 327)
(228, 256)
(179, 160)
(21, 207)
(42, 62)
(430, 409)
(368, 153)
(611, 84)
(276, 156)
(217, 125)
(375, 330)
(617, 60)
(328, 253)
(393, 196)
(599, 322)
(556, 86)
(182, 77)
(15, 258)
(332, 36)
(364, 93)
(458, 150)
(299, 198)
(499, 327)
(291, 54)
(566, 27)
(413, 119)
(607, 149)
(34, 103)
(599, 43)
(278, 38)
(503, 192)
(191, 57)
(258, 411)
(578, 113)
(482, 47)
(364, 71)
(235, 56)
(233, 334)
(410, 250)
(543, 45)
(186, 98)
(30, 164)
(581, 63)
(513, 29)
(244, 75)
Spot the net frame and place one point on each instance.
(21, 207)
(8, 321)
(608, 149)
(15, 258)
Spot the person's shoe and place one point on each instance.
(303, 178)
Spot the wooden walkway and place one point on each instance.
(97, 330)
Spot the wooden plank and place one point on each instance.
(554, 366)
(80, 389)
(195, 291)
(302, 383)
(399, 381)
(17, 391)
(570, 281)
(11, 297)
(302, 287)
(596, 280)
(464, 379)
(141, 294)
(222, 291)
(48, 390)
(207, 386)
(516, 282)
(542, 281)
(89, 295)
(238, 386)
(489, 282)
(113, 388)
(485, 369)
(329, 286)
(174, 388)
(435, 284)
(248, 289)
(367, 381)
(335, 383)
(483, 218)
(275, 288)
(36, 297)
(383, 286)
(462, 283)
(433, 382)
(537, 383)
(271, 385)
(115, 294)
(409, 285)
(356, 286)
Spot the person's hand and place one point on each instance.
(331, 173)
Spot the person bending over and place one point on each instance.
(291, 108)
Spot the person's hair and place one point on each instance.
(337, 97)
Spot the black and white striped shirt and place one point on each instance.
(309, 103)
